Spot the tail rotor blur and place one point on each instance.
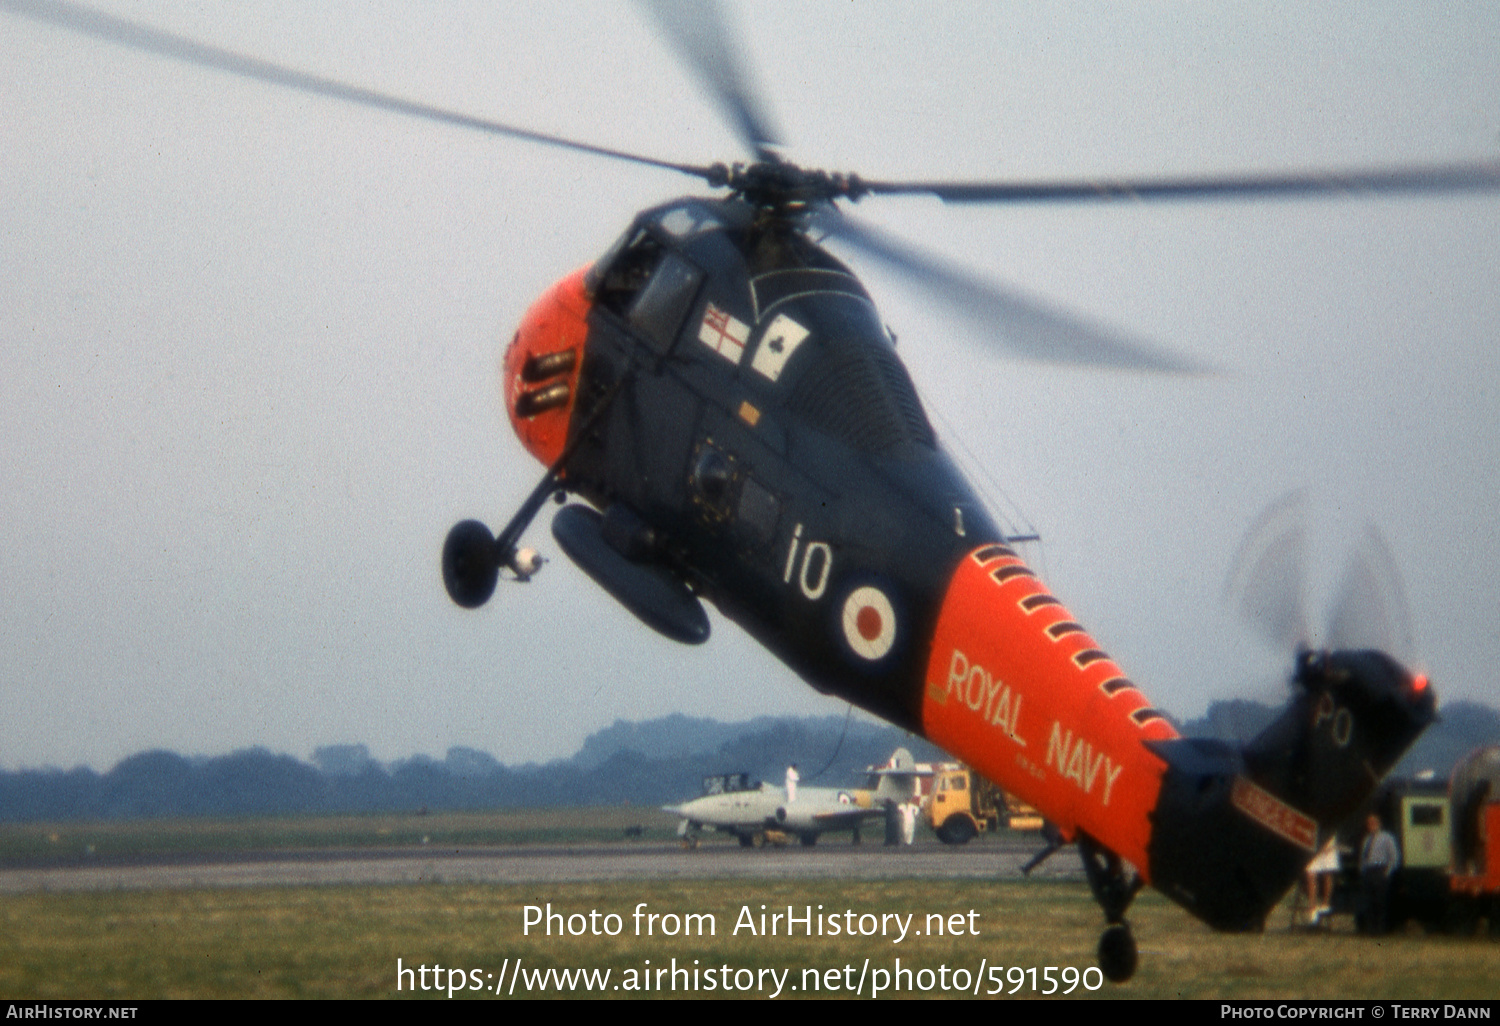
(1239, 817)
(1370, 609)
(1267, 580)
(1267, 587)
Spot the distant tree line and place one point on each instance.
(651, 763)
(612, 768)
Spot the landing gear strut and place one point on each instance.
(1114, 888)
(473, 559)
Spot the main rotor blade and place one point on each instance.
(1029, 327)
(98, 25)
(700, 33)
(1268, 577)
(1473, 176)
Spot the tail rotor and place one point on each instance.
(1238, 820)
(1267, 588)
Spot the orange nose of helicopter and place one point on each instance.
(539, 374)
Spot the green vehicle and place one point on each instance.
(1422, 815)
(1418, 813)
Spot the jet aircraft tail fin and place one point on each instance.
(1234, 827)
(897, 778)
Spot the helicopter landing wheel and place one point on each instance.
(470, 564)
(1117, 953)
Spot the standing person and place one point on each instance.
(1320, 878)
(792, 776)
(1379, 858)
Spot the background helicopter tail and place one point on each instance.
(1235, 826)
(1238, 820)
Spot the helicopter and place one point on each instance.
(720, 392)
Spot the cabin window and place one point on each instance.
(1427, 815)
(759, 511)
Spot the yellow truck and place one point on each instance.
(964, 805)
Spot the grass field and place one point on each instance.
(24, 843)
(345, 942)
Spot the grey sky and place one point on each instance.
(249, 339)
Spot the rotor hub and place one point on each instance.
(783, 186)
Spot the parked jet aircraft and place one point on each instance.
(732, 803)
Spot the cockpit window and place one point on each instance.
(647, 284)
(729, 783)
(686, 221)
(659, 310)
(621, 273)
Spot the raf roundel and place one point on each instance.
(869, 622)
